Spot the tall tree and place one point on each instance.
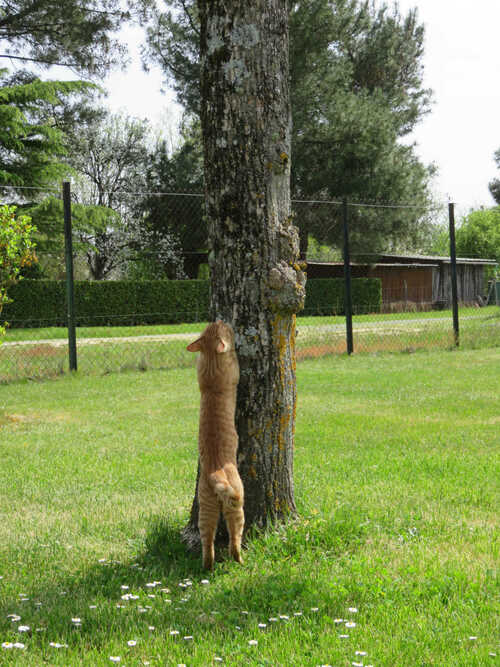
(356, 90)
(110, 158)
(256, 283)
(72, 33)
(178, 213)
(34, 115)
(479, 234)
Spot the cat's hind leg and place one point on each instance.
(235, 521)
(208, 518)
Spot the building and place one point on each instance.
(417, 280)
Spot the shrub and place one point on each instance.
(120, 303)
(39, 303)
(16, 250)
(326, 296)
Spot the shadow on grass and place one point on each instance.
(279, 577)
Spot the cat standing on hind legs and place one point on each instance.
(219, 485)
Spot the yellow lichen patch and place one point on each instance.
(252, 472)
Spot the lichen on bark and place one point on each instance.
(256, 282)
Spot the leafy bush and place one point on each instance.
(326, 296)
(16, 250)
(119, 303)
(128, 303)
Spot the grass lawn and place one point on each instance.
(104, 350)
(396, 480)
(47, 333)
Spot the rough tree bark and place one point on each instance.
(256, 283)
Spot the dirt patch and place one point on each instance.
(43, 351)
(34, 418)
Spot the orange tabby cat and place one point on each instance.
(219, 486)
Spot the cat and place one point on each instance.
(219, 485)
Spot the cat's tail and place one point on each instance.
(223, 489)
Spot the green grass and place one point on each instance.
(48, 333)
(106, 350)
(396, 482)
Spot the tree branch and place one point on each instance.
(190, 18)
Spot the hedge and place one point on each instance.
(39, 303)
(326, 296)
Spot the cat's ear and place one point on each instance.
(222, 346)
(194, 347)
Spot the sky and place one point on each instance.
(461, 65)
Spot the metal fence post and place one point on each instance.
(347, 280)
(70, 292)
(454, 286)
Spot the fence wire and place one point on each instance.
(401, 299)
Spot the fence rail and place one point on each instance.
(421, 306)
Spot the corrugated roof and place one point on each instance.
(435, 258)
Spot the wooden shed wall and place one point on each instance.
(404, 284)
(470, 283)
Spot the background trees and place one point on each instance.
(356, 91)
(175, 216)
(34, 118)
(16, 250)
(109, 158)
(494, 185)
(73, 33)
(479, 234)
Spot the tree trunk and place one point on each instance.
(256, 283)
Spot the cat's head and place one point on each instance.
(218, 338)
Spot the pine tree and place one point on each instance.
(72, 33)
(32, 140)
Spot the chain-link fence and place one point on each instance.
(141, 286)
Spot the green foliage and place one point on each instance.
(479, 234)
(32, 143)
(326, 296)
(494, 185)
(356, 88)
(37, 302)
(69, 33)
(121, 303)
(175, 217)
(87, 221)
(17, 250)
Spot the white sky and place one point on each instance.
(462, 66)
